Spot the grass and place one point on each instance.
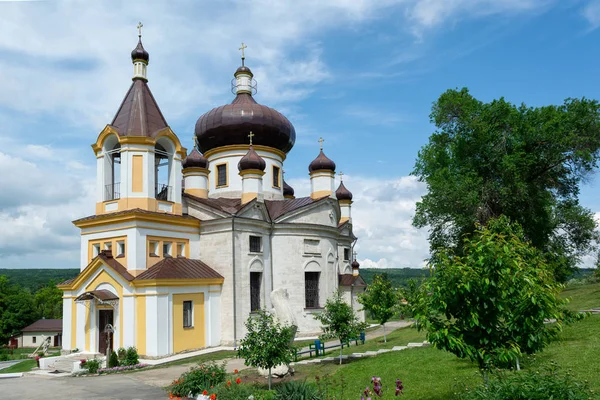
(216, 356)
(22, 353)
(23, 366)
(583, 297)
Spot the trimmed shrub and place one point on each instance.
(131, 356)
(113, 360)
(530, 385)
(121, 353)
(92, 366)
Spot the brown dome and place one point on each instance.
(195, 159)
(139, 53)
(342, 193)
(231, 123)
(287, 189)
(252, 161)
(243, 68)
(355, 264)
(321, 162)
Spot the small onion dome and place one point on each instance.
(287, 189)
(252, 161)
(195, 159)
(355, 264)
(243, 69)
(342, 193)
(321, 162)
(139, 53)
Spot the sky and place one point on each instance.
(362, 74)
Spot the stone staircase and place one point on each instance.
(70, 363)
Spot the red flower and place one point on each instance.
(238, 381)
(213, 396)
(228, 383)
(235, 371)
(205, 392)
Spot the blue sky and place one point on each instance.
(360, 73)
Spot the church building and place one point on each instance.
(184, 246)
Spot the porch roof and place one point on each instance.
(102, 295)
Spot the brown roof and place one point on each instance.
(179, 268)
(349, 280)
(106, 256)
(229, 206)
(45, 325)
(132, 211)
(278, 208)
(67, 282)
(103, 295)
(139, 114)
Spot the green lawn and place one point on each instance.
(216, 356)
(23, 366)
(583, 297)
(23, 352)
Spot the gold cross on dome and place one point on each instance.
(251, 135)
(341, 176)
(139, 27)
(242, 49)
(321, 140)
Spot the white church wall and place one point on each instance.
(67, 318)
(164, 328)
(129, 319)
(325, 213)
(152, 322)
(214, 316)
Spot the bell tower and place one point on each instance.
(138, 155)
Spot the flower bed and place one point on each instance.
(121, 368)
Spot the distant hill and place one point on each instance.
(33, 279)
(398, 276)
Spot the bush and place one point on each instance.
(113, 360)
(296, 390)
(4, 356)
(121, 352)
(198, 379)
(92, 366)
(530, 385)
(131, 356)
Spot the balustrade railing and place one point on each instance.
(112, 191)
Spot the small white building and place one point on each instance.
(183, 248)
(34, 334)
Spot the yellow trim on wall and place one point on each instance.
(134, 215)
(160, 240)
(278, 186)
(217, 186)
(201, 193)
(244, 148)
(345, 202)
(140, 324)
(252, 172)
(137, 173)
(108, 130)
(144, 203)
(195, 171)
(247, 197)
(87, 329)
(320, 193)
(188, 338)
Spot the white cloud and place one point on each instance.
(382, 220)
(591, 12)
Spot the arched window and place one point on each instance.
(163, 163)
(112, 169)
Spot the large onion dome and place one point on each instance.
(321, 162)
(288, 191)
(355, 264)
(252, 161)
(342, 193)
(139, 53)
(229, 124)
(195, 159)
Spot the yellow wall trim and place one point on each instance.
(246, 197)
(137, 173)
(134, 215)
(251, 172)
(195, 171)
(109, 130)
(345, 202)
(344, 219)
(320, 193)
(201, 193)
(140, 324)
(144, 203)
(193, 337)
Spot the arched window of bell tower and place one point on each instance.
(111, 150)
(163, 171)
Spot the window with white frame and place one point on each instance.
(107, 246)
(95, 250)
(121, 248)
(153, 249)
(167, 247)
(180, 249)
(188, 314)
(221, 175)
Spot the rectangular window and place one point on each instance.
(311, 246)
(153, 249)
(346, 254)
(180, 249)
(276, 177)
(311, 289)
(167, 249)
(108, 246)
(255, 281)
(95, 250)
(121, 248)
(255, 244)
(221, 175)
(187, 314)
(33, 339)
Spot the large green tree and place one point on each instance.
(490, 303)
(381, 300)
(492, 159)
(16, 309)
(48, 302)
